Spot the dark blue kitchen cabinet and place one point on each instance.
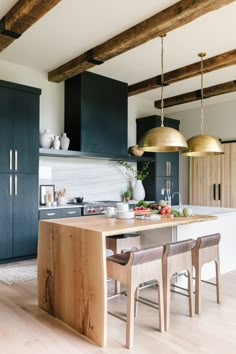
(6, 131)
(25, 220)
(164, 172)
(26, 132)
(167, 164)
(96, 114)
(19, 134)
(19, 143)
(6, 213)
(59, 213)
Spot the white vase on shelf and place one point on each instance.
(138, 190)
(65, 141)
(46, 139)
(56, 143)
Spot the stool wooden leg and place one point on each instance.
(136, 302)
(116, 250)
(166, 295)
(190, 291)
(161, 310)
(117, 287)
(217, 281)
(130, 315)
(197, 288)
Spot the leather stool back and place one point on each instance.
(176, 258)
(206, 250)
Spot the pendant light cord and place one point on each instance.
(162, 81)
(202, 112)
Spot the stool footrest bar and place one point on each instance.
(117, 316)
(178, 292)
(148, 303)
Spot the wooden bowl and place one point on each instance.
(134, 151)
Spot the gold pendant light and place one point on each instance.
(203, 145)
(162, 139)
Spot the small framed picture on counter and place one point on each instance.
(47, 193)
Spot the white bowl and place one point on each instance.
(125, 214)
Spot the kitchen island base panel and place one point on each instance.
(72, 278)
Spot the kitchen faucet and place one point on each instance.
(180, 200)
(167, 190)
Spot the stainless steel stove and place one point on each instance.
(96, 207)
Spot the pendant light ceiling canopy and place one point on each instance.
(162, 139)
(203, 145)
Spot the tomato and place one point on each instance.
(168, 211)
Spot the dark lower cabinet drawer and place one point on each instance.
(50, 214)
(59, 213)
(70, 212)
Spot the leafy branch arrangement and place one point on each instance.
(140, 174)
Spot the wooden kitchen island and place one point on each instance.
(72, 283)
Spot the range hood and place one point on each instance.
(96, 115)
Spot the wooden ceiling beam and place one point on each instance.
(163, 22)
(208, 92)
(22, 16)
(218, 62)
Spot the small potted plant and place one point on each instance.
(127, 195)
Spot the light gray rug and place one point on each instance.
(18, 272)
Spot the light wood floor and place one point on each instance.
(26, 329)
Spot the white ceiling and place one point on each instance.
(74, 26)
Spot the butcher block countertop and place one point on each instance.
(72, 275)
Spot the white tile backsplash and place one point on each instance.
(95, 179)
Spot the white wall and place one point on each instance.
(138, 107)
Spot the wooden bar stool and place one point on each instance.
(121, 243)
(132, 269)
(177, 257)
(206, 250)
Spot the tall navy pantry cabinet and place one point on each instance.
(164, 172)
(19, 160)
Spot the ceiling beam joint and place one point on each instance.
(7, 32)
(91, 59)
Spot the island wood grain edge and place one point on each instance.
(72, 278)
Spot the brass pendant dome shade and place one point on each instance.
(203, 145)
(162, 139)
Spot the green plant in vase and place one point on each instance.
(139, 175)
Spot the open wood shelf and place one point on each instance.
(90, 155)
